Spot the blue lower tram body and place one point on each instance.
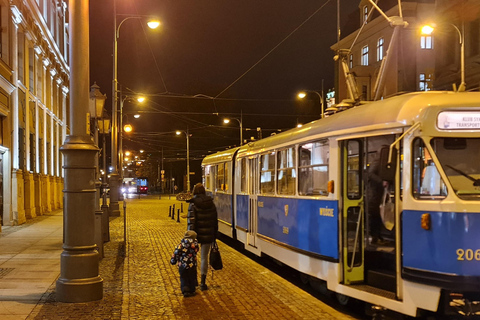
(447, 255)
(304, 224)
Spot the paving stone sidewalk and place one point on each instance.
(145, 286)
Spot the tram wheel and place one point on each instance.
(342, 299)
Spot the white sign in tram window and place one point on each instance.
(452, 120)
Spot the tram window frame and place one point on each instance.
(421, 162)
(243, 175)
(267, 187)
(219, 177)
(286, 172)
(227, 177)
(307, 181)
(354, 172)
(207, 176)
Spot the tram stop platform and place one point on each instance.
(143, 284)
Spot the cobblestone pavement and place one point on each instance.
(145, 286)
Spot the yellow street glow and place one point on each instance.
(226, 120)
(302, 95)
(141, 99)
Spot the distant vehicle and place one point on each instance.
(142, 185)
(135, 185)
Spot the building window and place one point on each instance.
(365, 14)
(21, 57)
(426, 42)
(31, 69)
(424, 82)
(365, 56)
(350, 61)
(380, 43)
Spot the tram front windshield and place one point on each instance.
(459, 158)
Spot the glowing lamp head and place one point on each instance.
(226, 120)
(302, 95)
(178, 133)
(128, 128)
(153, 24)
(427, 29)
(141, 99)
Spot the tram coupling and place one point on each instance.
(463, 304)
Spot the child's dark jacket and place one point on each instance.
(185, 254)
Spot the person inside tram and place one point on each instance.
(375, 190)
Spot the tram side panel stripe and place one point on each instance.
(310, 225)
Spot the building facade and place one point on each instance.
(412, 58)
(34, 81)
(457, 19)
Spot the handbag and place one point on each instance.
(387, 211)
(215, 258)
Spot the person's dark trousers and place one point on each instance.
(188, 280)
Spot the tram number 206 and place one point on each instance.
(468, 254)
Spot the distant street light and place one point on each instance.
(128, 128)
(428, 30)
(114, 179)
(179, 132)
(227, 120)
(303, 94)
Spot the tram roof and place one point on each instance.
(226, 155)
(399, 111)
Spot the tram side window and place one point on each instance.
(243, 175)
(267, 176)
(427, 183)
(227, 177)
(313, 168)
(220, 182)
(354, 170)
(286, 175)
(207, 176)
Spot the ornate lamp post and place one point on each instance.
(79, 279)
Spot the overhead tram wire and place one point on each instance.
(273, 49)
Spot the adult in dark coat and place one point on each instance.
(202, 218)
(375, 189)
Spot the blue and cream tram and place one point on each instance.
(304, 197)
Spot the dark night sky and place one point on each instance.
(202, 48)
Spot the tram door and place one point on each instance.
(353, 211)
(253, 202)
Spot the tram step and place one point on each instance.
(382, 279)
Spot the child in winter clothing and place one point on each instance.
(185, 256)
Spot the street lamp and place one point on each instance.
(114, 183)
(303, 95)
(179, 132)
(227, 120)
(428, 30)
